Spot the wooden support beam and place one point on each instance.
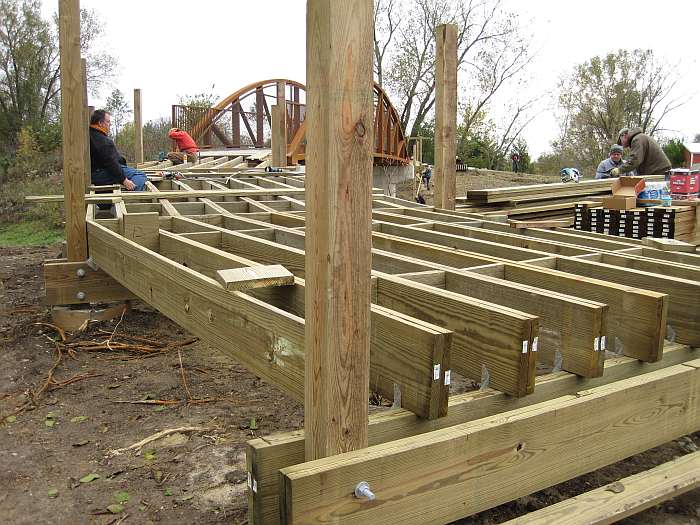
(266, 456)
(67, 282)
(138, 127)
(608, 505)
(445, 115)
(254, 277)
(339, 174)
(458, 471)
(73, 121)
(88, 113)
(278, 141)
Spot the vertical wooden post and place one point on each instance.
(259, 117)
(86, 119)
(279, 128)
(138, 128)
(338, 224)
(73, 120)
(445, 115)
(236, 124)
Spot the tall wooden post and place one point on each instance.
(445, 115)
(86, 118)
(338, 224)
(278, 114)
(74, 137)
(138, 128)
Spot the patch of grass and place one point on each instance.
(34, 233)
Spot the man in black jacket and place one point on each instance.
(107, 165)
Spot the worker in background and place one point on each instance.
(646, 156)
(186, 145)
(614, 160)
(426, 175)
(107, 165)
(515, 160)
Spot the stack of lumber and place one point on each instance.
(665, 222)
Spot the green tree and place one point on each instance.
(119, 108)
(29, 69)
(605, 94)
(675, 151)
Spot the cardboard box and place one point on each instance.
(624, 193)
(619, 202)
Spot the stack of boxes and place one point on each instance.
(684, 184)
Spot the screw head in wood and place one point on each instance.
(81, 296)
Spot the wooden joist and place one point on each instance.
(622, 498)
(265, 457)
(455, 472)
(77, 283)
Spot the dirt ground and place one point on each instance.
(100, 399)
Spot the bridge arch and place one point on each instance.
(242, 119)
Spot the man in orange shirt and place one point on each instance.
(186, 145)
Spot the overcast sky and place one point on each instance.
(176, 47)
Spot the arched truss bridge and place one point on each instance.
(242, 120)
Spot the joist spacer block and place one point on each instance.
(254, 277)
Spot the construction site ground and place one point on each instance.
(105, 399)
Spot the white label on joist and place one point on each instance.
(525, 347)
(436, 372)
(535, 342)
(250, 480)
(596, 344)
(447, 377)
(602, 343)
(255, 486)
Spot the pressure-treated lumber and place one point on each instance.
(570, 326)
(684, 294)
(65, 280)
(636, 318)
(265, 457)
(458, 471)
(254, 277)
(507, 353)
(622, 498)
(404, 350)
(445, 178)
(339, 134)
(138, 127)
(73, 121)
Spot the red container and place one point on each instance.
(684, 181)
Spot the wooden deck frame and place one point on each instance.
(272, 232)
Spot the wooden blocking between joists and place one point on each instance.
(254, 277)
(78, 283)
(457, 471)
(142, 228)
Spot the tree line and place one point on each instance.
(592, 101)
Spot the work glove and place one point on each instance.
(614, 172)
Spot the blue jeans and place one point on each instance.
(102, 177)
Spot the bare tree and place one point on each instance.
(490, 49)
(386, 23)
(604, 94)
